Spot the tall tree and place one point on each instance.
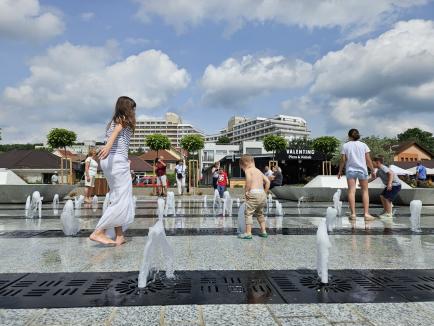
(381, 146)
(61, 138)
(424, 138)
(300, 143)
(274, 143)
(326, 145)
(192, 143)
(223, 140)
(157, 142)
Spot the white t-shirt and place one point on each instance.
(269, 173)
(93, 166)
(180, 169)
(355, 152)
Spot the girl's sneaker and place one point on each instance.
(263, 235)
(245, 236)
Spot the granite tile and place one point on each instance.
(75, 316)
(303, 321)
(18, 317)
(339, 313)
(397, 314)
(294, 310)
(237, 315)
(181, 315)
(128, 316)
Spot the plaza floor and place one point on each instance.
(204, 241)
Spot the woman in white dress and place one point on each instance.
(114, 163)
(91, 169)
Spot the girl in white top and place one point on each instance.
(91, 169)
(356, 159)
(114, 163)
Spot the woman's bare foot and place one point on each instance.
(101, 238)
(120, 240)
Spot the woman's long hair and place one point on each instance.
(125, 113)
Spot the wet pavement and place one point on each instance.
(378, 245)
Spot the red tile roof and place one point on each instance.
(139, 165)
(152, 155)
(30, 159)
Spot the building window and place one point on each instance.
(221, 152)
(208, 156)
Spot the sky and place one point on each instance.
(339, 64)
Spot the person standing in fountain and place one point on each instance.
(393, 186)
(180, 176)
(356, 159)
(90, 171)
(215, 174)
(256, 196)
(222, 182)
(114, 163)
(161, 176)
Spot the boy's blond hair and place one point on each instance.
(246, 159)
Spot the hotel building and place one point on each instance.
(171, 126)
(240, 129)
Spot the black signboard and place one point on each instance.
(301, 154)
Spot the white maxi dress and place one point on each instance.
(116, 168)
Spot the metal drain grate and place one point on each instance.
(66, 290)
(414, 285)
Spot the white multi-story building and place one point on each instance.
(213, 152)
(240, 129)
(171, 126)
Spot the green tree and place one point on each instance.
(381, 146)
(274, 143)
(61, 138)
(223, 140)
(300, 143)
(326, 145)
(157, 142)
(424, 138)
(192, 143)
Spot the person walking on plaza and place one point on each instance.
(215, 174)
(356, 159)
(420, 172)
(90, 171)
(180, 176)
(222, 182)
(257, 186)
(114, 163)
(392, 182)
(161, 176)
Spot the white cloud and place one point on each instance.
(380, 83)
(78, 85)
(236, 81)
(354, 15)
(25, 19)
(87, 16)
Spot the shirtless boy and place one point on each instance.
(256, 196)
